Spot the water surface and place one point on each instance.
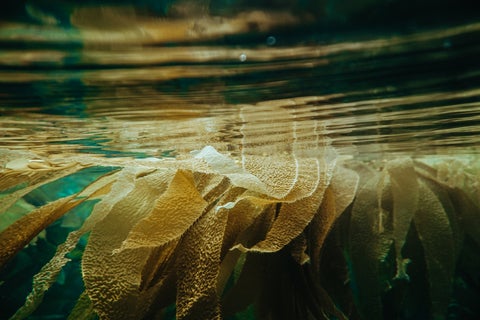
(157, 87)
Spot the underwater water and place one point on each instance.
(208, 160)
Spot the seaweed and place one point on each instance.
(207, 237)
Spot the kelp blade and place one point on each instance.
(217, 230)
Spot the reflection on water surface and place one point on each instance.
(414, 92)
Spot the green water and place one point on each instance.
(376, 80)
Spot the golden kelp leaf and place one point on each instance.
(294, 216)
(404, 186)
(101, 187)
(336, 199)
(309, 176)
(174, 212)
(49, 272)
(113, 288)
(283, 177)
(232, 170)
(278, 174)
(281, 151)
(458, 174)
(158, 268)
(291, 221)
(243, 215)
(445, 195)
(198, 267)
(338, 196)
(248, 284)
(320, 226)
(298, 249)
(22, 231)
(19, 209)
(22, 171)
(243, 207)
(228, 266)
(464, 176)
(469, 214)
(83, 309)
(123, 183)
(258, 227)
(10, 179)
(368, 247)
(344, 185)
(433, 229)
(210, 186)
(46, 176)
(315, 160)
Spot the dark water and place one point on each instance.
(159, 79)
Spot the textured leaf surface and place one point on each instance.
(112, 288)
(404, 186)
(198, 267)
(45, 278)
(435, 233)
(291, 221)
(32, 179)
(174, 211)
(165, 233)
(368, 246)
(22, 231)
(83, 309)
(338, 196)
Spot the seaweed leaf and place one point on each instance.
(113, 289)
(285, 178)
(83, 309)
(49, 272)
(404, 186)
(299, 207)
(277, 174)
(248, 285)
(22, 231)
(368, 247)
(244, 216)
(27, 172)
(174, 212)
(469, 213)
(434, 231)
(338, 196)
(167, 231)
(465, 176)
(198, 267)
(291, 221)
(34, 178)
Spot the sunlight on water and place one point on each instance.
(414, 93)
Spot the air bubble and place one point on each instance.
(271, 40)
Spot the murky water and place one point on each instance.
(124, 83)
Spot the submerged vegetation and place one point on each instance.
(210, 237)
